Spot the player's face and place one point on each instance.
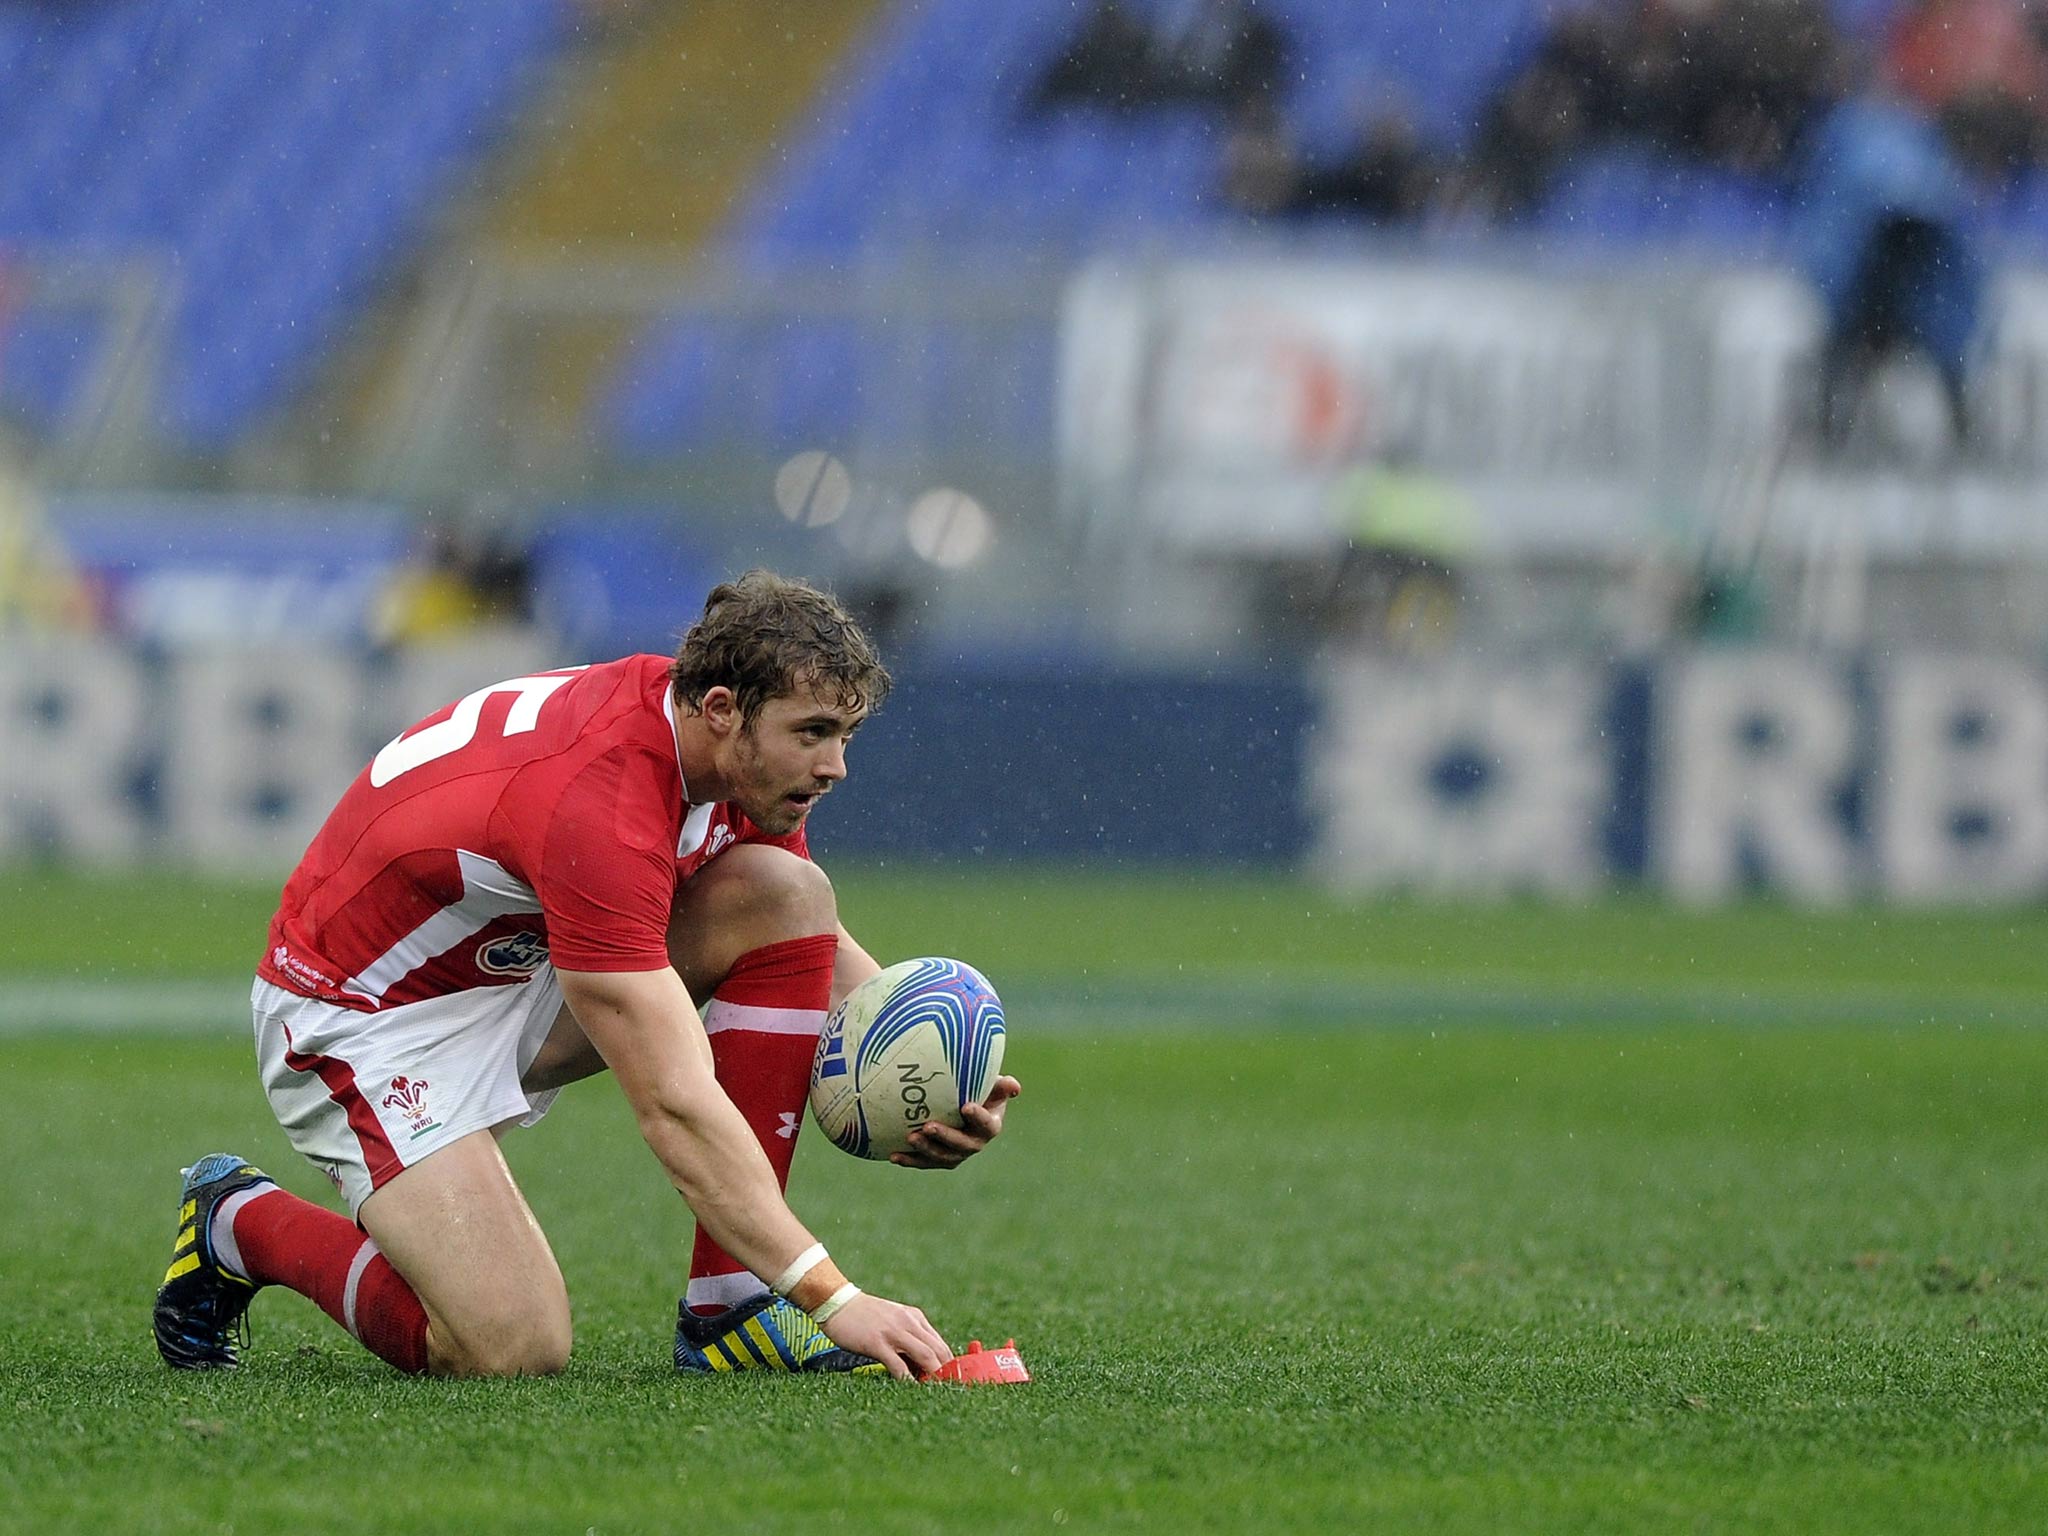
(791, 752)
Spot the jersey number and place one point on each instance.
(402, 754)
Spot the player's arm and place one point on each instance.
(647, 1029)
(932, 1145)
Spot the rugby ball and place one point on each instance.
(912, 1044)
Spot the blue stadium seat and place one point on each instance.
(46, 355)
(612, 580)
(278, 153)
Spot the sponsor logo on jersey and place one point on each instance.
(289, 964)
(408, 1096)
(517, 954)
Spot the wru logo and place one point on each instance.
(408, 1096)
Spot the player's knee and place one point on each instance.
(774, 892)
(544, 1354)
(525, 1344)
(797, 891)
(537, 1356)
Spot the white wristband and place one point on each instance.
(827, 1309)
(799, 1266)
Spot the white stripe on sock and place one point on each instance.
(719, 1014)
(226, 1251)
(719, 1291)
(357, 1265)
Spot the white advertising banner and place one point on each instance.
(1917, 778)
(1219, 403)
(1461, 779)
(224, 759)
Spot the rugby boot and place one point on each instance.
(764, 1334)
(200, 1306)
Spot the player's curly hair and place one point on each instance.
(765, 635)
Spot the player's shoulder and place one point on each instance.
(640, 675)
(622, 700)
(616, 753)
(547, 722)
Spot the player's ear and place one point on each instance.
(721, 709)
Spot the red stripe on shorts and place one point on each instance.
(378, 1155)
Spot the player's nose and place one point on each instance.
(831, 764)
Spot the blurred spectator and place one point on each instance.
(1108, 64)
(1225, 52)
(1939, 52)
(1648, 71)
(1383, 175)
(1991, 136)
(1262, 169)
(1729, 81)
(1569, 92)
(1208, 52)
(1886, 239)
(457, 581)
(887, 608)
(1982, 67)
(1399, 579)
(1756, 72)
(39, 588)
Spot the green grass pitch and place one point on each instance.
(1314, 1216)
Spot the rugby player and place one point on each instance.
(531, 886)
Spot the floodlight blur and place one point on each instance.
(813, 488)
(949, 528)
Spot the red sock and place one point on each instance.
(763, 1022)
(276, 1238)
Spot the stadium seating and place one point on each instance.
(926, 145)
(276, 155)
(928, 137)
(280, 155)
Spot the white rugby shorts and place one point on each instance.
(365, 1095)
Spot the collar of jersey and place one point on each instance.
(697, 820)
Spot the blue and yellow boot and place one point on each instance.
(200, 1305)
(764, 1334)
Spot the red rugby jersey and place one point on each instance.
(540, 819)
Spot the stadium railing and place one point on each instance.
(81, 353)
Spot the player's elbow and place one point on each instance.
(697, 1135)
(677, 1115)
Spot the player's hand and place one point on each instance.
(892, 1333)
(942, 1146)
